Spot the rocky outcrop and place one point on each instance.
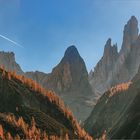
(7, 59)
(117, 67)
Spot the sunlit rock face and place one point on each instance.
(115, 68)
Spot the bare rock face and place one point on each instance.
(115, 68)
(128, 61)
(7, 59)
(103, 69)
(68, 74)
(70, 80)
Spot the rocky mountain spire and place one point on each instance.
(130, 33)
(68, 73)
(107, 47)
(109, 50)
(114, 67)
(103, 69)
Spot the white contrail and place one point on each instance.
(11, 41)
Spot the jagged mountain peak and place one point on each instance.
(71, 49)
(109, 49)
(116, 67)
(133, 19)
(69, 71)
(125, 99)
(130, 33)
(108, 42)
(71, 54)
(132, 25)
(107, 46)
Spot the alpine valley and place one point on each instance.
(105, 102)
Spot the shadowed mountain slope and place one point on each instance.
(25, 98)
(117, 112)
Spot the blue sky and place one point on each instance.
(45, 28)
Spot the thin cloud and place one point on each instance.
(8, 39)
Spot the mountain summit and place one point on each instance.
(68, 74)
(130, 33)
(114, 67)
(99, 78)
(109, 50)
(71, 53)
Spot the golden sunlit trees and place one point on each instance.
(30, 132)
(118, 88)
